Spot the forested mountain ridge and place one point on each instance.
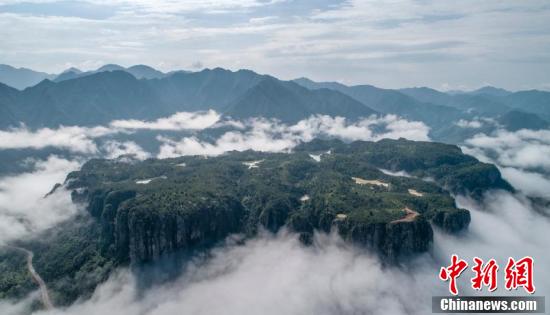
(104, 96)
(140, 92)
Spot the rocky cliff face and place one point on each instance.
(452, 221)
(132, 233)
(147, 235)
(392, 240)
(135, 234)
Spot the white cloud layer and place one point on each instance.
(531, 183)
(74, 139)
(178, 121)
(523, 148)
(272, 136)
(23, 208)
(474, 124)
(258, 134)
(522, 157)
(83, 139)
(114, 149)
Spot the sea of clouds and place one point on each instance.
(258, 133)
(522, 156)
(276, 274)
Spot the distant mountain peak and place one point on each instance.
(42, 84)
(491, 90)
(73, 70)
(145, 72)
(313, 85)
(21, 78)
(141, 66)
(5, 66)
(110, 67)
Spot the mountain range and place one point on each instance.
(103, 96)
(22, 78)
(141, 92)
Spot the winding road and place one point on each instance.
(44, 295)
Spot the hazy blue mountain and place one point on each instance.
(21, 78)
(452, 133)
(6, 99)
(516, 120)
(291, 102)
(68, 74)
(138, 71)
(441, 111)
(428, 95)
(73, 69)
(7, 93)
(210, 88)
(391, 102)
(110, 67)
(312, 85)
(93, 99)
(513, 120)
(534, 101)
(475, 103)
(180, 90)
(487, 101)
(88, 98)
(8, 96)
(145, 72)
(490, 90)
(480, 104)
(101, 97)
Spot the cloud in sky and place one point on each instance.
(461, 44)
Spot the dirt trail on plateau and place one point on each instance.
(409, 216)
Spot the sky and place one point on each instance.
(446, 45)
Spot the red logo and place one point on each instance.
(517, 274)
(485, 274)
(520, 274)
(452, 272)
